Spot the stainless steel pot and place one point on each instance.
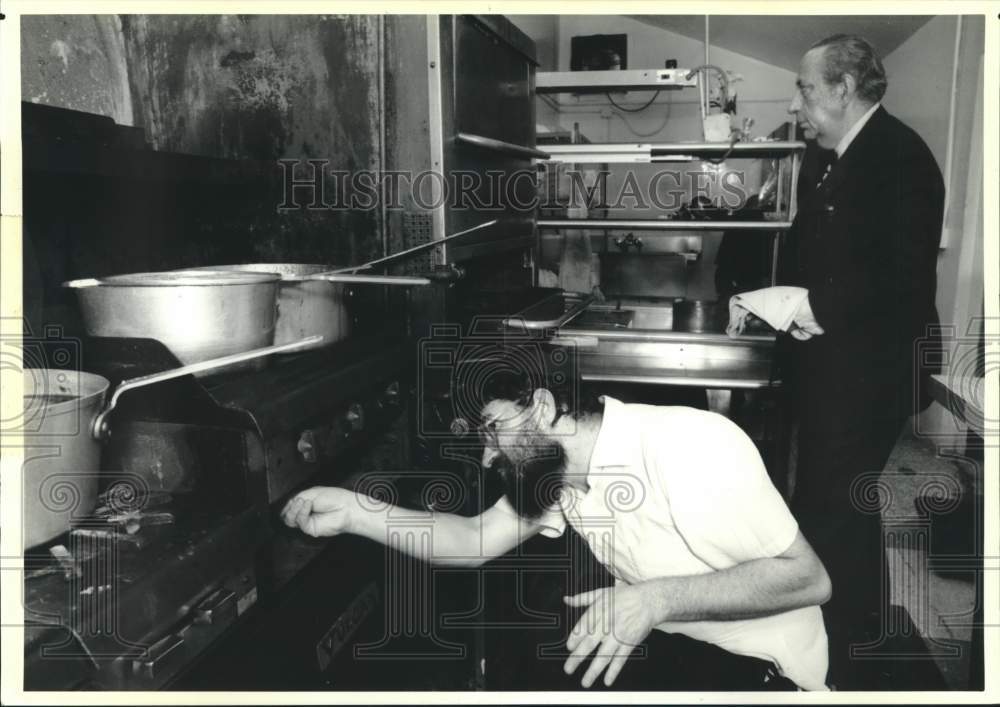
(61, 456)
(65, 420)
(698, 316)
(305, 307)
(197, 315)
(312, 299)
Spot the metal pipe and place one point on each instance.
(435, 124)
(949, 164)
(707, 60)
(722, 75)
(383, 209)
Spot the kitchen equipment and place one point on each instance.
(305, 307)
(312, 300)
(60, 455)
(100, 428)
(242, 443)
(410, 251)
(645, 341)
(64, 412)
(698, 316)
(197, 315)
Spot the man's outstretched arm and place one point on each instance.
(454, 540)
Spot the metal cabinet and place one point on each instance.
(462, 94)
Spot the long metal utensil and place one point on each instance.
(409, 251)
(100, 428)
(371, 279)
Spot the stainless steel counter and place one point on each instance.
(633, 341)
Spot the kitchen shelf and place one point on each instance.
(672, 152)
(613, 81)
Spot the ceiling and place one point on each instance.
(781, 40)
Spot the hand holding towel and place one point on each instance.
(783, 308)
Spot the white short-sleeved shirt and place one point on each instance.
(676, 491)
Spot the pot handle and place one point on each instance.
(100, 428)
(434, 243)
(372, 279)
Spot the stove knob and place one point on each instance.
(307, 446)
(355, 418)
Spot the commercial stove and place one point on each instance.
(186, 546)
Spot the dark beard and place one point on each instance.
(532, 484)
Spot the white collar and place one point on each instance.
(613, 445)
(849, 136)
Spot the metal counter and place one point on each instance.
(633, 341)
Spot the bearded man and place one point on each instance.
(674, 502)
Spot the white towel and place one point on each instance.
(775, 305)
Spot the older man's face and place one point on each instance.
(819, 107)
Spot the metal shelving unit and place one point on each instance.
(672, 152)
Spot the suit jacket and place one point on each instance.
(865, 244)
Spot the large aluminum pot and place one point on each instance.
(699, 316)
(305, 307)
(61, 456)
(197, 315)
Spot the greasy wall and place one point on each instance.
(246, 90)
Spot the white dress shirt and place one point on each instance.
(849, 136)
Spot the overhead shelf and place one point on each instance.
(671, 152)
(613, 81)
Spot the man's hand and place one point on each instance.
(804, 324)
(320, 511)
(619, 619)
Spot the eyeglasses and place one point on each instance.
(489, 430)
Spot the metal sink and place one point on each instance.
(633, 341)
(607, 316)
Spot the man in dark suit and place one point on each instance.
(864, 244)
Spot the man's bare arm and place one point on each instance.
(453, 540)
(792, 580)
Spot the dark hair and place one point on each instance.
(850, 54)
(520, 389)
(533, 485)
